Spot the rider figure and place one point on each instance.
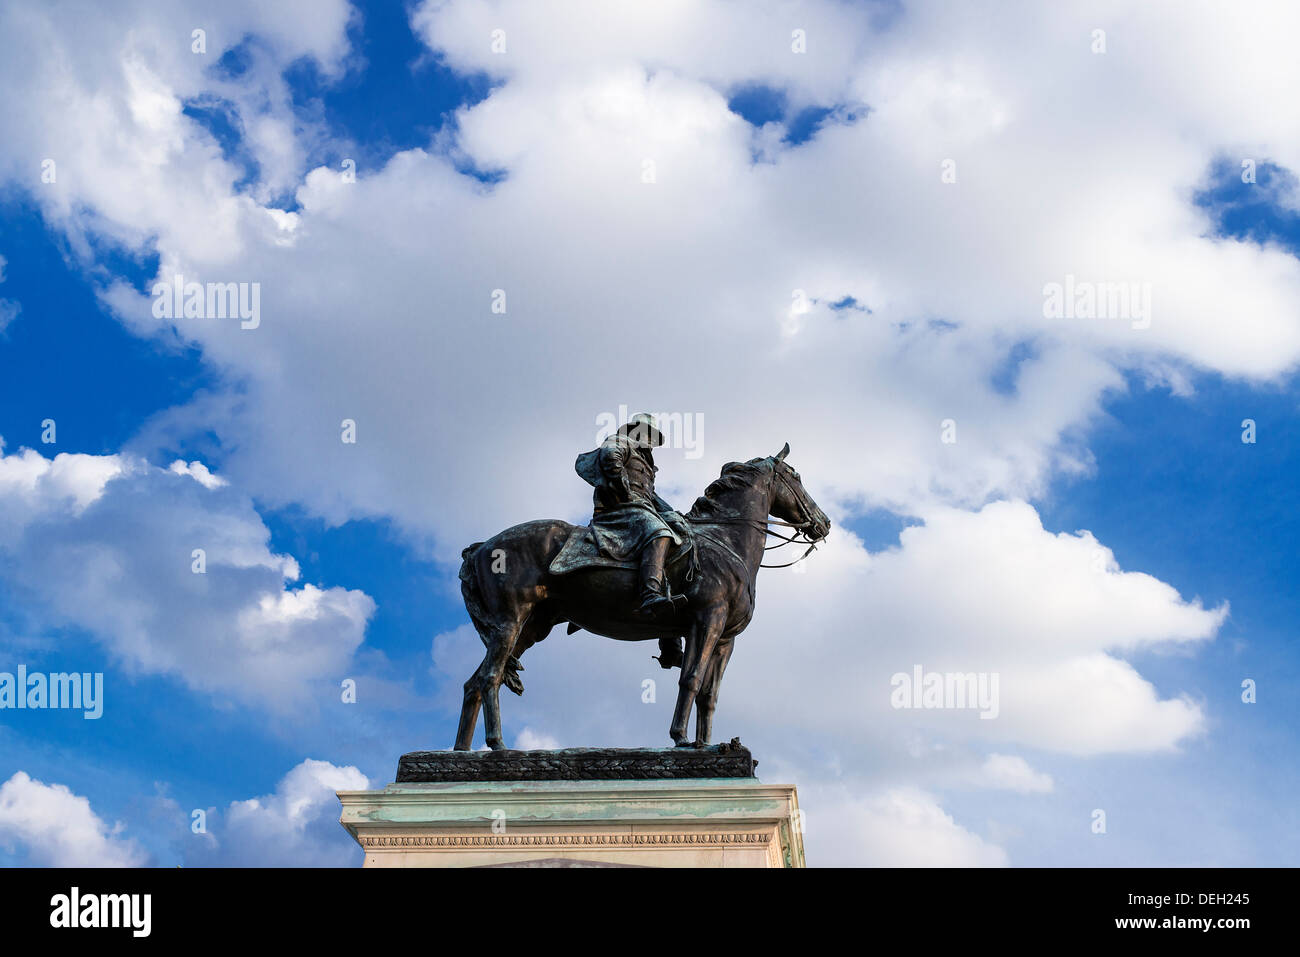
(629, 517)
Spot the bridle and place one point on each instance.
(801, 528)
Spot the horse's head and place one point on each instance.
(791, 501)
(760, 488)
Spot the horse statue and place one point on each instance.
(515, 598)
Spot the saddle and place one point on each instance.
(580, 553)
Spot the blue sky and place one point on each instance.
(1139, 444)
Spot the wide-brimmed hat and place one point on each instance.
(643, 424)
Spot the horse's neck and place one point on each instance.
(738, 517)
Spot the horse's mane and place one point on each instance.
(734, 475)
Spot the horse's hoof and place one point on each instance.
(496, 744)
(683, 744)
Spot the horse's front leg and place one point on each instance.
(709, 689)
(706, 629)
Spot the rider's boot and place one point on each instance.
(670, 653)
(654, 597)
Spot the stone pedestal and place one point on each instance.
(667, 821)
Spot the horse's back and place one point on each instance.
(530, 533)
(536, 543)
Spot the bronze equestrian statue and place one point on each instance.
(640, 572)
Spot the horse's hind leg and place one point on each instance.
(469, 713)
(490, 675)
(515, 640)
(481, 687)
(500, 599)
(536, 628)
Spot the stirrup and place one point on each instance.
(658, 604)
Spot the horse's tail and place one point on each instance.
(469, 590)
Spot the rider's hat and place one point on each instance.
(642, 425)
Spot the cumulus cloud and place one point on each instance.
(56, 828)
(199, 472)
(1013, 773)
(530, 740)
(677, 36)
(899, 827)
(295, 826)
(109, 543)
(128, 162)
(8, 308)
(985, 593)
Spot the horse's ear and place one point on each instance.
(780, 456)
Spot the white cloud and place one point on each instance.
(987, 592)
(8, 308)
(530, 740)
(295, 826)
(711, 40)
(100, 92)
(57, 828)
(1013, 773)
(9, 311)
(899, 827)
(107, 543)
(199, 472)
